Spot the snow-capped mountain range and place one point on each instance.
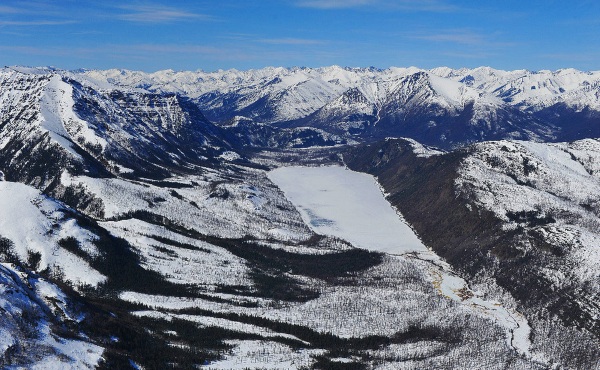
(308, 89)
(358, 102)
(441, 106)
(146, 220)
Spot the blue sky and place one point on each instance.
(211, 35)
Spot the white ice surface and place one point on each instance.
(336, 201)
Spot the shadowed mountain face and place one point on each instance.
(135, 232)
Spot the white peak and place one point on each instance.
(453, 91)
(443, 71)
(484, 69)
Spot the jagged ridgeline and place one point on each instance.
(145, 221)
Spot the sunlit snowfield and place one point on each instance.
(346, 204)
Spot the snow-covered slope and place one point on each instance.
(548, 194)
(429, 108)
(520, 87)
(38, 226)
(286, 94)
(52, 124)
(34, 314)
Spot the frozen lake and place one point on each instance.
(336, 201)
